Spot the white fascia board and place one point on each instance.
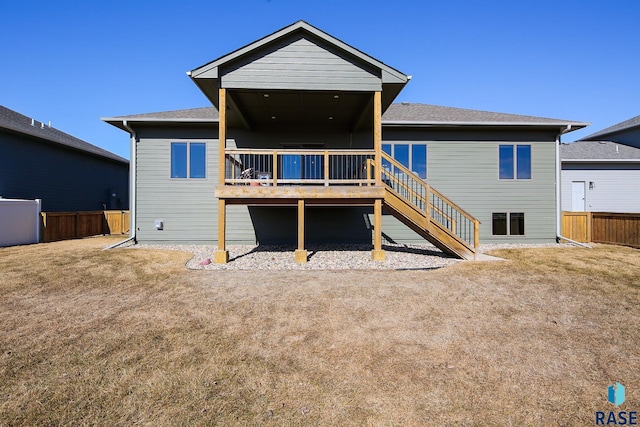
(400, 123)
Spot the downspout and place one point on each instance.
(559, 236)
(132, 189)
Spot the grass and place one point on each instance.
(132, 337)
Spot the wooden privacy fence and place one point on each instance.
(602, 227)
(74, 225)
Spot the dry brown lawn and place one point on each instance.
(131, 337)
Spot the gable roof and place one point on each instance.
(402, 114)
(625, 125)
(18, 123)
(207, 76)
(393, 75)
(594, 151)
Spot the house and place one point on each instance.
(601, 173)
(626, 132)
(305, 144)
(66, 173)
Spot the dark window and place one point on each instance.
(499, 224)
(511, 224)
(188, 160)
(517, 224)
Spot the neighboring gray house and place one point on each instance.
(313, 149)
(601, 173)
(66, 173)
(626, 132)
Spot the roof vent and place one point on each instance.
(404, 103)
(33, 122)
(41, 125)
(49, 124)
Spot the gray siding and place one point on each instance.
(186, 206)
(617, 186)
(300, 64)
(467, 173)
(65, 179)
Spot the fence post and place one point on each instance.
(43, 229)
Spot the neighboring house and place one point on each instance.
(627, 132)
(66, 173)
(601, 173)
(304, 144)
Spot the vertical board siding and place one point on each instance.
(300, 64)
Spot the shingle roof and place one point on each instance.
(396, 113)
(192, 114)
(598, 150)
(410, 112)
(16, 122)
(627, 124)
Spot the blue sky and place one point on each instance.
(72, 62)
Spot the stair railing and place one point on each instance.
(433, 204)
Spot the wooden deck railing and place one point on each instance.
(286, 167)
(431, 202)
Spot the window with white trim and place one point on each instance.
(189, 160)
(411, 156)
(514, 161)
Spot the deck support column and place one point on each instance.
(221, 256)
(301, 252)
(377, 254)
(377, 135)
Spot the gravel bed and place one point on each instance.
(324, 257)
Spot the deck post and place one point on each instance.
(301, 252)
(377, 135)
(377, 254)
(221, 256)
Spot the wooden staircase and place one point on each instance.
(428, 212)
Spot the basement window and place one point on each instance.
(189, 160)
(507, 223)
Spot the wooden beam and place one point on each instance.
(222, 134)
(377, 135)
(298, 192)
(221, 256)
(301, 253)
(377, 254)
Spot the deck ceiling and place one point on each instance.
(263, 109)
